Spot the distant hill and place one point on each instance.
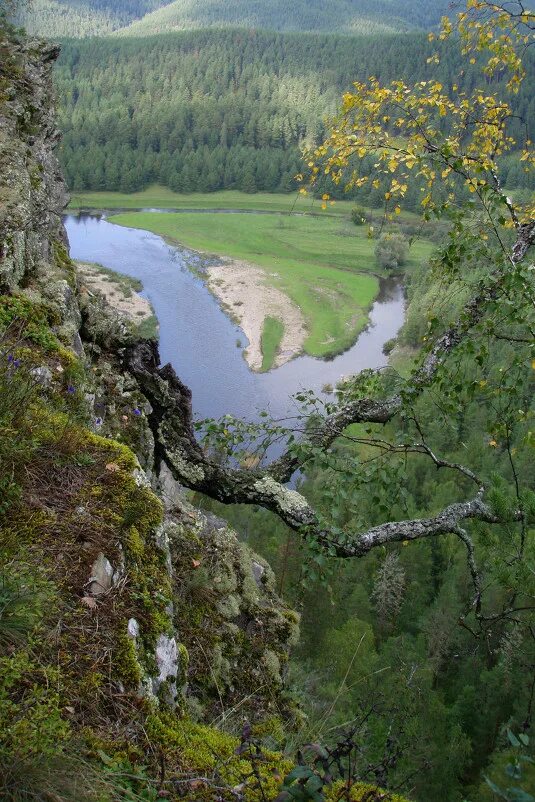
(80, 18)
(351, 16)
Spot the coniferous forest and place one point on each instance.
(209, 110)
(101, 17)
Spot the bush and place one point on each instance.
(358, 216)
(391, 251)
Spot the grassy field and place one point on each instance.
(325, 265)
(162, 198)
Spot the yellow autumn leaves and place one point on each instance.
(427, 132)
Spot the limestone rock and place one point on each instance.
(102, 575)
(258, 572)
(42, 375)
(32, 189)
(236, 629)
(171, 492)
(167, 662)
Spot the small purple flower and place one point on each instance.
(137, 411)
(12, 361)
(98, 421)
(71, 390)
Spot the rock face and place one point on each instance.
(236, 630)
(200, 626)
(33, 194)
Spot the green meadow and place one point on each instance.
(162, 198)
(324, 264)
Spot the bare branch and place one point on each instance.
(172, 425)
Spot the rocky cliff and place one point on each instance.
(148, 633)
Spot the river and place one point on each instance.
(200, 341)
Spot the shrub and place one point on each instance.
(391, 251)
(358, 216)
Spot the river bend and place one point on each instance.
(202, 343)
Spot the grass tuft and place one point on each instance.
(272, 335)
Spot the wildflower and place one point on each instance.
(137, 411)
(71, 390)
(12, 361)
(98, 421)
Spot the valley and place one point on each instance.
(325, 266)
(267, 360)
(204, 344)
(282, 263)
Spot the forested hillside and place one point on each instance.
(381, 640)
(208, 110)
(97, 17)
(388, 649)
(53, 18)
(350, 16)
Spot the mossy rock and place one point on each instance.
(237, 631)
(204, 751)
(32, 321)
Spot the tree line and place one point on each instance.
(53, 18)
(210, 110)
(364, 16)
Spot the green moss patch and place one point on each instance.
(31, 321)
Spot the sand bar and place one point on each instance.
(244, 293)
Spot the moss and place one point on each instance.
(36, 176)
(206, 751)
(30, 717)
(360, 792)
(272, 665)
(125, 663)
(145, 562)
(135, 544)
(91, 686)
(271, 728)
(33, 321)
(64, 262)
(183, 660)
(122, 456)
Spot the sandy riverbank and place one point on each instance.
(118, 292)
(243, 291)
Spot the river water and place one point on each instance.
(200, 341)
